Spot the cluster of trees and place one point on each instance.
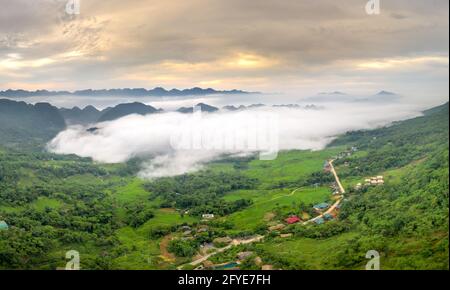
(201, 192)
(323, 231)
(183, 247)
(77, 212)
(138, 214)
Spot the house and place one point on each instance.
(267, 267)
(321, 206)
(3, 225)
(223, 240)
(202, 229)
(208, 216)
(292, 219)
(244, 255)
(185, 228)
(376, 180)
(276, 227)
(319, 221)
(328, 216)
(326, 166)
(207, 264)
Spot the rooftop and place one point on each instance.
(3, 225)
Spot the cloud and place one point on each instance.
(253, 45)
(161, 138)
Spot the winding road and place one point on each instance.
(236, 242)
(333, 207)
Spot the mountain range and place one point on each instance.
(128, 92)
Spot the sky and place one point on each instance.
(288, 47)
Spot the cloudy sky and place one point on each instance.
(289, 46)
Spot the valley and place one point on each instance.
(216, 217)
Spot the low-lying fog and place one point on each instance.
(157, 137)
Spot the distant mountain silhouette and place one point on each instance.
(382, 96)
(135, 92)
(203, 107)
(23, 124)
(122, 110)
(81, 116)
(332, 93)
(385, 93)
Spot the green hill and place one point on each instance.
(122, 110)
(22, 124)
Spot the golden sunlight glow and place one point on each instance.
(246, 60)
(403, 62)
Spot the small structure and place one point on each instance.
(258, 261)
(321, 206)
(185, 228)
(373, 181)
(328, 216)
(3, 225)
(207, 216)
(276, 227)
(319, 221)
(244, 255)
(326, 166)
(207, 264)
(292, 220)
(222, 240)
(202, 229)
(267, 267)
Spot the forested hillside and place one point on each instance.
(24, 125)
(55, 203)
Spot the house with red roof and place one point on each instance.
(292, 219)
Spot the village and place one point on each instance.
(319, 214)
(277, 226)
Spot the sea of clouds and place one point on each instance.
(173, 143)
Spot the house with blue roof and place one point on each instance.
(3, 225)
(328, 216)
(319, 221)
(321, 206)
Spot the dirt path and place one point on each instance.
(165, 254)
(286, 195)
(336, 177)
(235, 242)
(333, 207)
